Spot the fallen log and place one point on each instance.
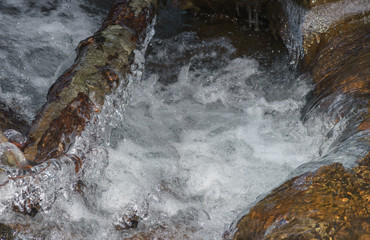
(103, 62)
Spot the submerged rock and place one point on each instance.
(11, 156)
(12, 126)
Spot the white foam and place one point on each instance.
(36, 46)
(321, 17)
(206, 146)
(302, 22)
(191, 153)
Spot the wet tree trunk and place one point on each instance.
(103, 61)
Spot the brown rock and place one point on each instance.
(349, 30)
(2, 136)
(341, 66)
(330, 203)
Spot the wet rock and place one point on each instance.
(10, 139)
(6, 232)
(15, 137)
(2, 137)
(11, 156)
(102, 62)
(330, 203)
(341, 67)
(346, 34)
(9, 119)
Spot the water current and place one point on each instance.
(202, 135)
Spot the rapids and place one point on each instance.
(202, 131)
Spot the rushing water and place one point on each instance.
(37, 42)
(184, 150)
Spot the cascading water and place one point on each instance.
(182, 152)
(37, 42)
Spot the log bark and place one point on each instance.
(102, 63)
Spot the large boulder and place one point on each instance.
(329, 203)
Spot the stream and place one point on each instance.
(210, 123)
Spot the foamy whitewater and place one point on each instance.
(37, 42)
(202, 135)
